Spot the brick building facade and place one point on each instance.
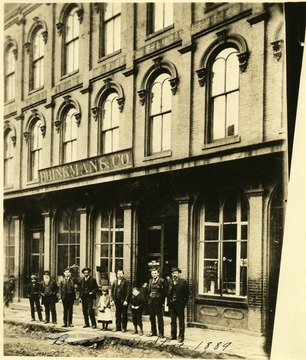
(141, 135)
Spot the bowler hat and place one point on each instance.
(12, 277)
(67, 269)
(104, 288)
(86, 268)
(175, 268)
(47, 272)
(33, 277)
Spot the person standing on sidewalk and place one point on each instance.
(137, 304)
(88, 291)
(49, 290)
(156, 298)
(33, 291)
(67, 297)
(120, 294)
(177, 296)
(9, 289)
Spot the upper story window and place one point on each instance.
(72, 25)
(159, 120)
(70, 136)
(110, 124)
(224, 95)
(160, 15)
(9, 70)
(8, 158)
(222, 249)
(35, 149)
(111, 28)
(38, 60)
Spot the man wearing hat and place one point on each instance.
(33, 291)
(9, 289)
(49, 290)
(88, 291)
(67, 296)
(177, 296)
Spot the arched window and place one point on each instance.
(38, 60)
(111, 28)
(159, 121)
(160, 15)
(224, 95)
(9, 246)
(110, 124)
(68, 242)
(70, 136)
(9, 70)
(8, 158)
(109, 240)
(222, 252)
(71, 42)
(35, 149)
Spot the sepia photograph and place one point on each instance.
(148, 152)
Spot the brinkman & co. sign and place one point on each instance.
(83, 168)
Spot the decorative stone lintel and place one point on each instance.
(95, 112)
(142, 96)
(255, 192)
(57, 125)
(43, 130)
(277, 47)
(27, 47)
(243, 60)
(222, 36)
(107, 83)
(157, 62)
(183, 199)
(67, 99)
(202, 76)
(80, 13)
(173, 84)
(77, 118)
(60, 27)
(120, 102)
(13, 138)
(26, 136)
(45, 36)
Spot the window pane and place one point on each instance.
(119, 250)
(211, 277)
(117, 8)
(218, 130)
(211, 232)
(154, 239)
(232, 72)
(229, 268)
(218, 74)
(69, 58)
(76, 55)
(104, 265)
(119, 236)
(119, 218)
(211, 209)
(117, 33)
(115, 112)
(244, 232)
(211, 250)
(35, 245)
(166, 94)
(156, 98)
(230, 232)
(158, 16)
(104, 250)
(62, 258)
(230, 208)
(118, 264)
(69, 28)
(62, 238)
(109, 36)
(105, 219)
(104, 237)
(115, 140)
(168, 13)
(166, 141)
(75, 25)
(107, 113)
(156, 134)
(107, 142)
(232, 114)
(108, 10)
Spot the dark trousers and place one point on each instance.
(177, 312)
(68, 308)
(121, 315)
(137, 318)
(88, 311)
(155, 306)
(35, 300)
(49, 302)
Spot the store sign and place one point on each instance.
(83, 168)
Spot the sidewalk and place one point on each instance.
(221, 344)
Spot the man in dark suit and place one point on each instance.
(156, 298)
(49, 290)
(67, 296)
(88, 291)
(177, 296)
(33, 291)
(120, 295)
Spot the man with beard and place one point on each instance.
(120, 294)
(88, 291)
(177, 296)
(67, 297)
(49, 289)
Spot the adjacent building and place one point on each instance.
(149, 134)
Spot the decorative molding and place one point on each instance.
(19, 117)
(57, 125)
(222, 36)
(157, 62)
(59, 27)
(95, 112)
(107, 83)
(243, 60)
(15, 53)
(142, 96)
(26, 136)
(67, 99)
(186, 48)
(77, 118)
(21, 20)
(27, 47)
(254, 19)
(51, 104)
(80, 14)
(13, 138)
(173, 84)
(277, 47)
(45, 36)
(120, 102)
(43, 130)
(130, 71)
(202, 76)
(86, 90)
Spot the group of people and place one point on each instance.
(175, 291)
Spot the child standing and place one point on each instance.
(104, 312)
(137, 304)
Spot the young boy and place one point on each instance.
(137, 304)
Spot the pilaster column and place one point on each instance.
(127, 248)
(18, 269)
(84, 245)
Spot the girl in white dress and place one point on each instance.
(104, 311)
